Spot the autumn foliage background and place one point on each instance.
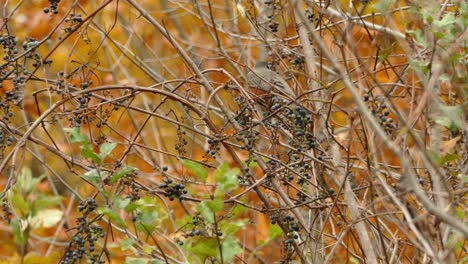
(128, 132)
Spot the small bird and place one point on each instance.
(264, 79)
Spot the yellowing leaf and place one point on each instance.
(448, 145)
(46, 218)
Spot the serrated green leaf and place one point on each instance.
(444, 121)
(120, 203)
(238, 209)
(230, 249)
(447, 20)
(121, 173)
(93, 177)
(196, 168)
(230, 179)
(127, 244)
(112, 216)
(148, 217)
(232, 226)
(215, 205)
(218, 173)
(226, 178)
(76, 136)
(205, 212)
(204, 247)
(106, 149)
(20, 205)
(88, 153)
(455, 115)
(219, 193)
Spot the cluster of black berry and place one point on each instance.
(381, 111)
(213, 147)
(194, 229)
(301, 121)
(134, 194)
(81, 115)
(293, 228)
(9, 43)
(248, 136)
(292, 234)
(274, 8)
(200, 227)
(309, 14)
(295, 57)
(181, 144)
(14, 67)
(53, 6)
(9, 139)
(173, 190)
(7, 212)
(301, 198)
(75, 19)
(83, 243)
(247, 174)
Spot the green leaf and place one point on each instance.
(446, 21)
(44, 201)
(88, 153)
(46, 218)
(455, 114)
(226, 178)
(434, 156)
(215, 205)
(218, 173)
(383, 6)
(94, 178)
(230, 249)
(18, 227)
(460, 213)
(121, 173)
(141, 203)
(131, 260)
(448, 158)
(76, 136)
(230, 179)
(232, 226)
(204, 247)
(148, 217)
(445, 122)
(196, 168)
(238, 209)
(106, 149)
(219, 192)
(127, 244)
(20, 205)
(205, 212)
(119, 202)
(455, 241)
(274, 231)
(112, 216)
(26, 183)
